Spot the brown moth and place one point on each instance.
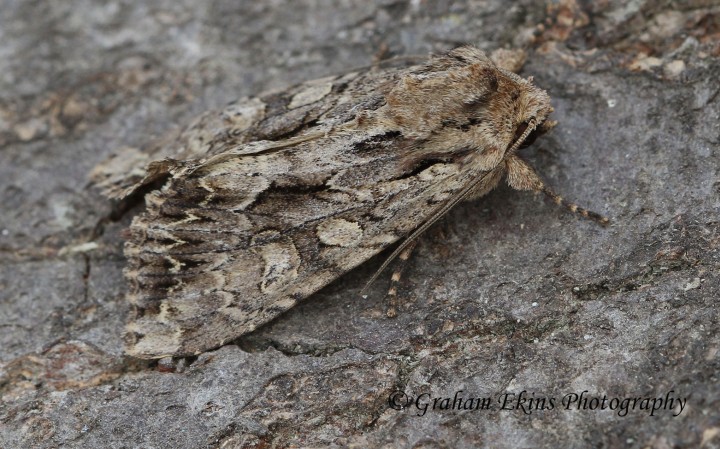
(255, 207)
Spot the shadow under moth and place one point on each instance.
(257, 206)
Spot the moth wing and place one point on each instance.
(229, 245)
(337, 170)
(270, 116)
(128, 168)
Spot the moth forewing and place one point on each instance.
(271, 199)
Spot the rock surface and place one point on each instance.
(505, 295)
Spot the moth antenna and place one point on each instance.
(435, 216)
(560, 201)
(574, 208)
(444, 208)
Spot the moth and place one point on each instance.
(257, 206)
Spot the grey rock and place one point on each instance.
(506, 295)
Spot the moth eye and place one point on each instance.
(530, 139)
(520, 130)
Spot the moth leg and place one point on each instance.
(392, 299)
(521, 176)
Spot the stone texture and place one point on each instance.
(506, 294)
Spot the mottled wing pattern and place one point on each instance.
(278, 115)
(232, 244)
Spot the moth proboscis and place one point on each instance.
(257, 206)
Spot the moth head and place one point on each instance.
(527, 108)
